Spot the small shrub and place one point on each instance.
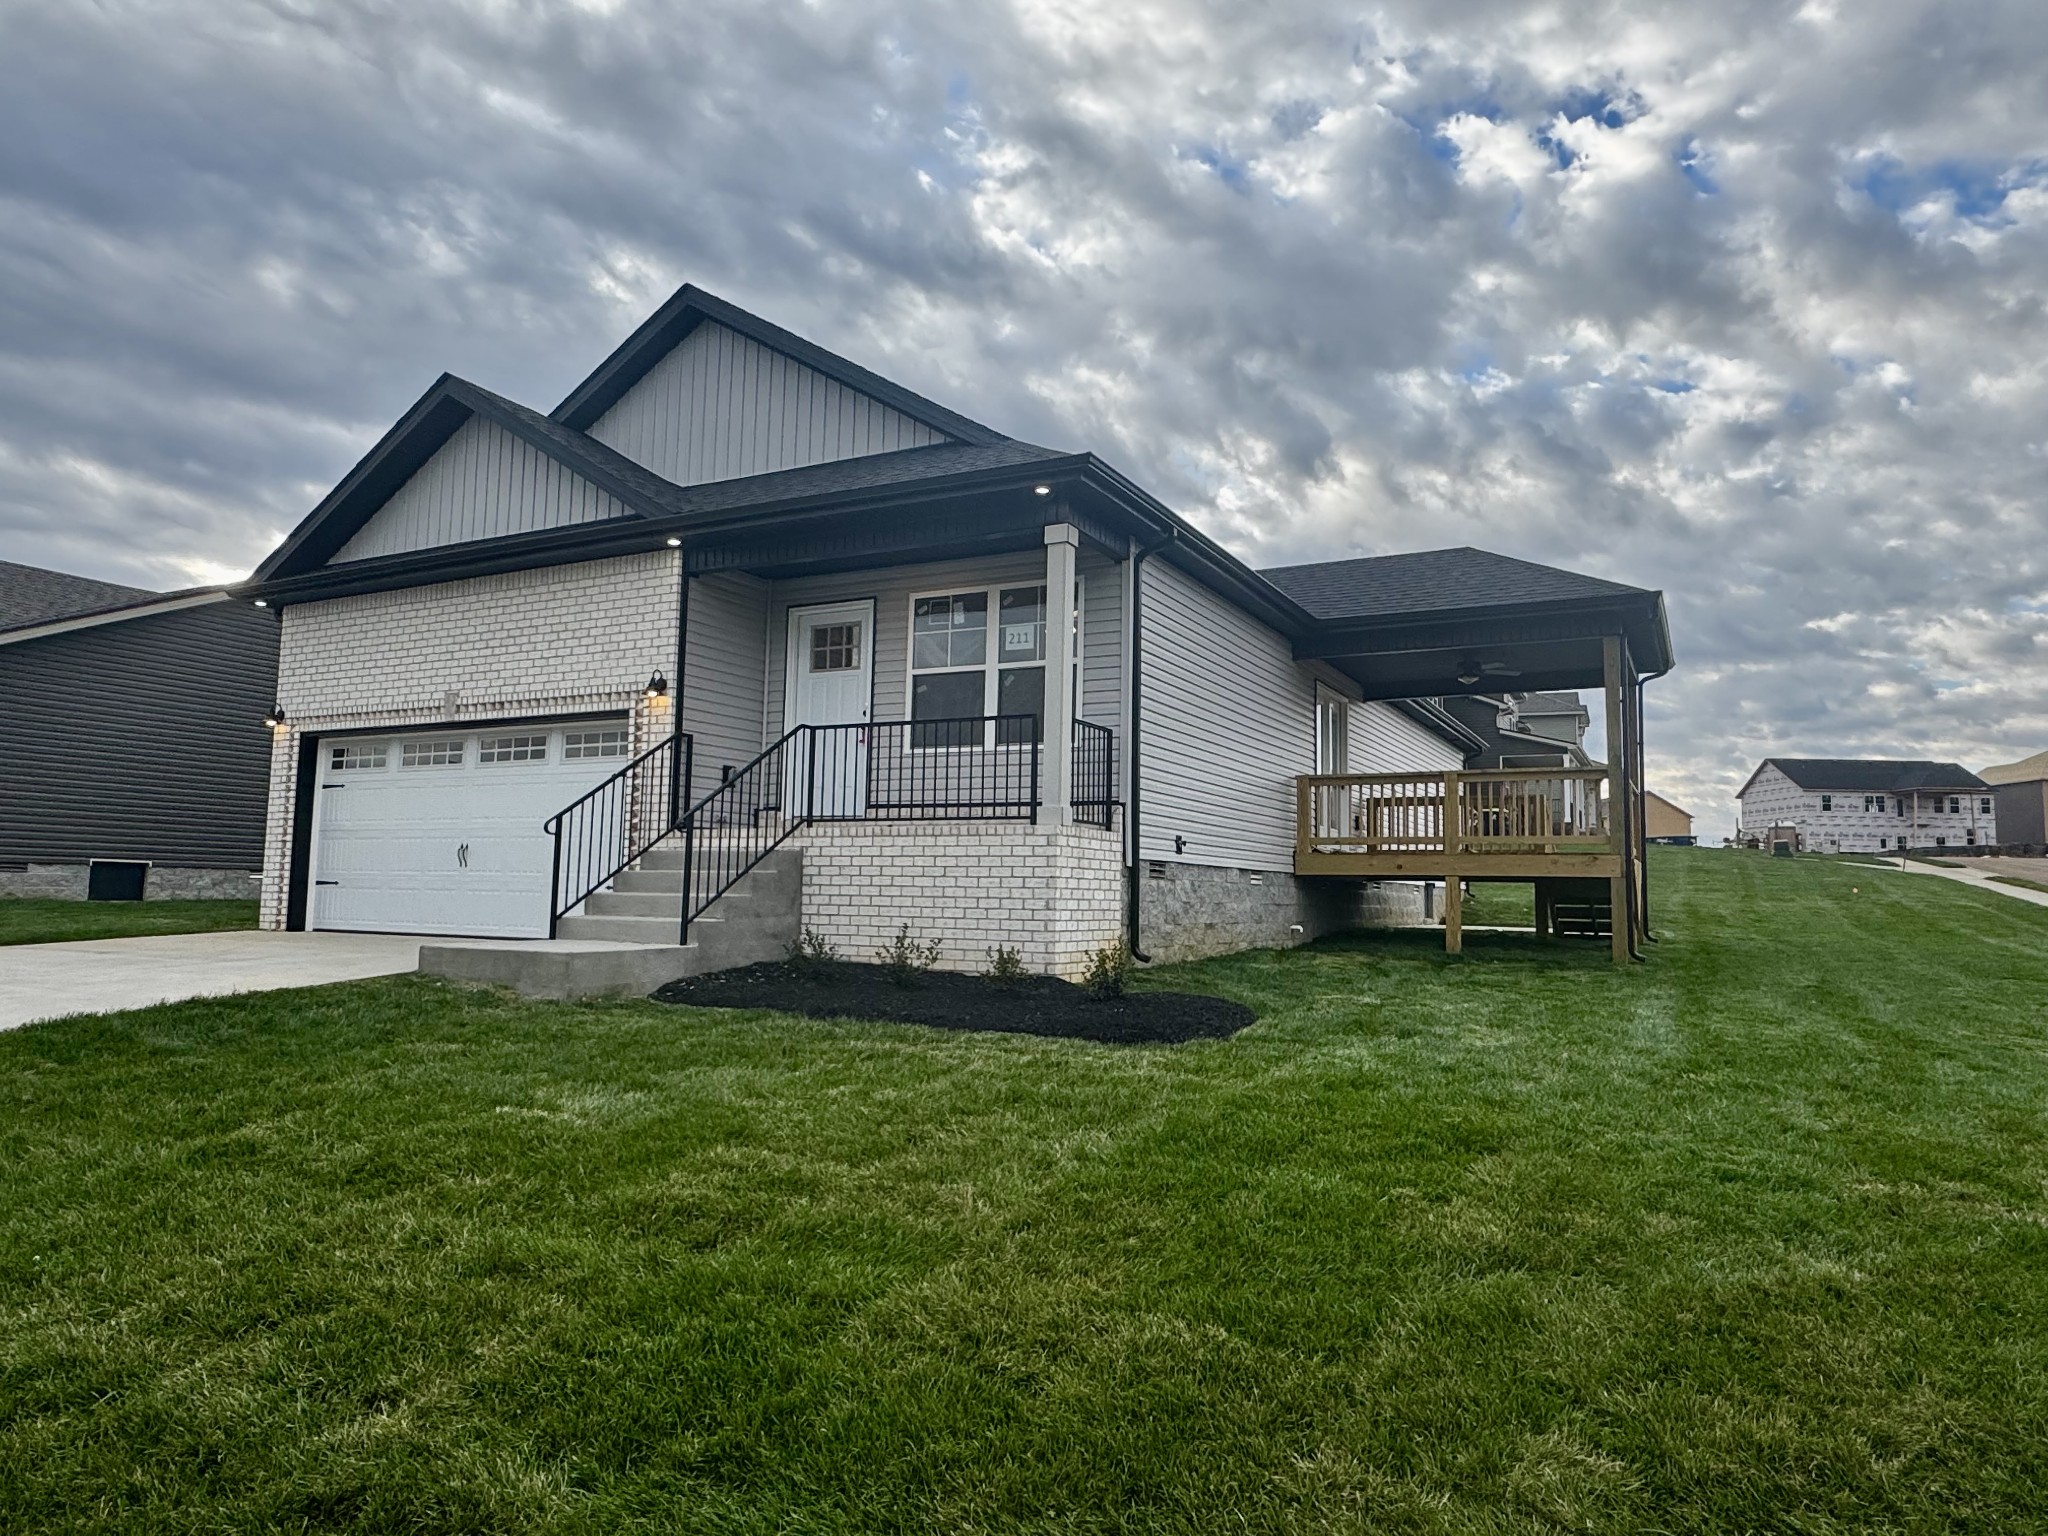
(811, 952)
(1109, 971)
(1005, 967)
(906, 959)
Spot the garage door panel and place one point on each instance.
(447, 848)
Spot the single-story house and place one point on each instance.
(1863, 805)
(2019, 794)
(1665, 822)
(134, 762)
(741, 636)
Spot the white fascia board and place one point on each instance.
(114, 616)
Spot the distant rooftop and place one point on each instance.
(2021, 772)
(1873, 775)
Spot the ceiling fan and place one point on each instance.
(1472, 670)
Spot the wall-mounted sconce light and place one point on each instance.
(274, 717)
(657, 687)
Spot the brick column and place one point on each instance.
(1056, 760)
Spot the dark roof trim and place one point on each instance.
(421, 432)
(1435, 718)
(688, 308)
(1640, 620)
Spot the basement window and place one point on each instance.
(441, 752)
(513, 749)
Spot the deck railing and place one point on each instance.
(1491, 811)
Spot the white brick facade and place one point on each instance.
(1055, 894)
(1843, 821)
(560, 640)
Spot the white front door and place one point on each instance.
(830, 683)
(445, 831)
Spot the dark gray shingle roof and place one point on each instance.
(31, 595)
(1431, 581)
(1874, 775)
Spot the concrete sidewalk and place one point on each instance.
(49, 981)
(1981, 879)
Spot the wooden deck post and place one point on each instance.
(1619, 920)
(1543, 900)
(1454, 914)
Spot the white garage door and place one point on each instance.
(444, 832)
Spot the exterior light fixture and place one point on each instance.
(657, 687)
(274, 716)
(1468, 671)
(675, 543)
(262, 602)
(1041, 490)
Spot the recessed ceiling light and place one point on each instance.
(675, 543)
(262, 602)
(1041, 490)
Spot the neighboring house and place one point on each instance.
(737, 599)
(133, 760)
(1862, 805)
(2019, 791)
(1525, 730)
(1664, 822)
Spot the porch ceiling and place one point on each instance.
(1535, 648)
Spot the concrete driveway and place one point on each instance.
(48, 981)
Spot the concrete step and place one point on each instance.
(667, 904)
(621, 930)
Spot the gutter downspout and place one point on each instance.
(1131, 808)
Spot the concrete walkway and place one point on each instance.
(49, 981)
(1981, 879)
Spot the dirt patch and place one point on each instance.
(1036, 1005)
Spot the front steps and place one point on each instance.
(623, 943)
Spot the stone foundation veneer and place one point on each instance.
(1187, 911)
(1054, 894)
(67, 882)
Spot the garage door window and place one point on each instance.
(513, 749)
(359, 755)
(578, 744)
(442, 753)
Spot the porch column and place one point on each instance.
(1619, 896)
(1056, 760)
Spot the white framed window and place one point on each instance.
(513, 749)
(1955, 805)
(355, 755)
(610, 742)
(1827, 803)
(980, 652)
(835, 647)
(437, 752)
(1984, 807)
(1333, 731)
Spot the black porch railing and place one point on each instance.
(607, 830)
(968, 768)
(1094, 793)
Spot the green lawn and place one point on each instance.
(46, 922)
(1752, 1237)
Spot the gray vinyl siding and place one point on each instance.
(723, 677)
(721, 406)
(140, 739)
(1102, 640)
(1229, 721)
(892, 590)
(1383, 740)
(483, 483)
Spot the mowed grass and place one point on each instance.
(1751, 1237)
(48, 922)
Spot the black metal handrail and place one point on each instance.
(739, 824)
(604, 832)
(1094, 796)
(958, 768)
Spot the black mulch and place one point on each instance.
(1036, 1005)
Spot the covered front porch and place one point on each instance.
(1575, 834)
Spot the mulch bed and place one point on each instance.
(1036, 1005)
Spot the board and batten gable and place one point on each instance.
(483, 483)
(1228, 721)
(721, 406)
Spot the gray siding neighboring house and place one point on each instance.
(134, 735)
(2020, 794)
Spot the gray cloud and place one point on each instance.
(1743, 302)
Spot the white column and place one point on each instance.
(1055, 764)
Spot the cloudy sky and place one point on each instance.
(1740, 301)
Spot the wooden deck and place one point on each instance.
(1537, 824)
